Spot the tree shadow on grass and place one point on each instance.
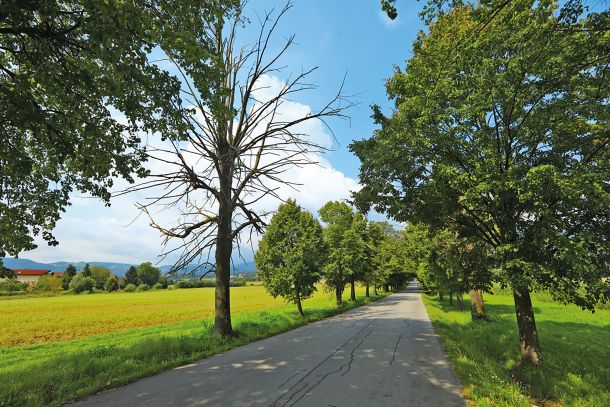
(576, 368)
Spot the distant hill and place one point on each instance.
(116, 268)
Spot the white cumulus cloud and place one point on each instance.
(89, 231)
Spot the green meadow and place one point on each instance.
(485, 354)
(66, 365)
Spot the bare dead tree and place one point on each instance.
(234, 153)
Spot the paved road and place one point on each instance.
(383, 354)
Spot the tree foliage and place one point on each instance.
(148, 274)
(291, 254)
(69, 273)
(346, 247)
(111, 284)
(131, 276)
(81, 283)
(99, 274)
(67, 69)
(500, 132)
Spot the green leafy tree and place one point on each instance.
(131, 276)
(48, 284)
(500, 133)
(148, 274)
(68, 275)
(111, 284)
(65, 67)
(375, 235)
(346, 248)
(291, 254)
(86, 270)
(99, 274)
(81, 283)
(6, 272)
(416, 246)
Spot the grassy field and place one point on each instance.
(57, 349)
(32, 320)
(575, 345)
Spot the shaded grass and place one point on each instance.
(56, 372)
(575, 346)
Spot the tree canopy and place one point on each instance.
(500, 132)
(291, 254)
(76, 88)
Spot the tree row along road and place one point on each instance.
(382, 354)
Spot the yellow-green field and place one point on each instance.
(27, 321)
(57, 349)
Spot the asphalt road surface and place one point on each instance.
(382, 354)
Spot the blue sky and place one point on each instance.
(353, 38)
(341, 37)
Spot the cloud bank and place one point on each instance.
(89, 231)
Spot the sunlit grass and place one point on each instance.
(575, 345)
(26, 321)
(156, 330)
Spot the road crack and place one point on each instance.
(300, 391)
(291, 377)
(395, 349)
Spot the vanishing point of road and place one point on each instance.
(382, 354)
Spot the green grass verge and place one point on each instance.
(575, 346)
(54, 373)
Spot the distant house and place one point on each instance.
(31, 275)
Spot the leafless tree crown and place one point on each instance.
(237, 136)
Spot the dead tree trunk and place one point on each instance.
(224, 246)
(237, 146)
(477, 307)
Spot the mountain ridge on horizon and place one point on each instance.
(115, 267)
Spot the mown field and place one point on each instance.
(575, 345)
(56, 349)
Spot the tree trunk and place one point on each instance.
(339, 287)
(375, 289)
(528, 334)
(224, 246)
(440, 295)
(222, 323)
(299, 306)
(366, 291)
(451, 298)
(477, 307)
(459, 296)
(352, 294)
(386, 287)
